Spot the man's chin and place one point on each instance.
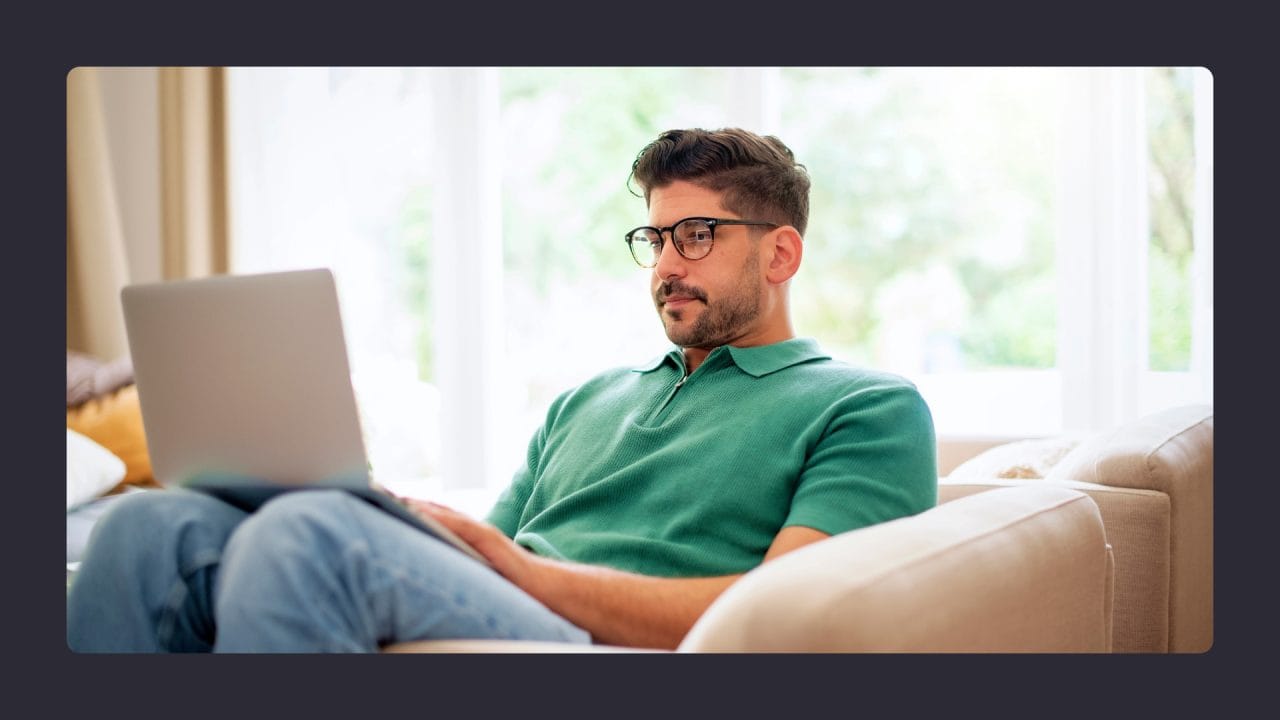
(675, 333)
(683, 336)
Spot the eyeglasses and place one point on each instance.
(692, 236)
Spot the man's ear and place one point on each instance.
(788, 248)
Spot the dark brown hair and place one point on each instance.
(758, 175)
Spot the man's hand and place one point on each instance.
(509, 559)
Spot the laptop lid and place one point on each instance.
(245, 378)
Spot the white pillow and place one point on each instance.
(91, 469)
(1019, 460)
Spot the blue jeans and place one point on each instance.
(310, 571)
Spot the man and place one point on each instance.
(646, 492)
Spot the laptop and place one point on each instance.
(246, 391)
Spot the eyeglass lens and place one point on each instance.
(693, 239)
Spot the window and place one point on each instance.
(1031, 246)
(933, 223)
(331, 167)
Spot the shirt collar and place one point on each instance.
(756, 361)
(675, 355)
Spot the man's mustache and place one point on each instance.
(675, 287)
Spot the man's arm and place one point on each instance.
(616, 607)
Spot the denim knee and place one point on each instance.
(144, 509)
(300, 526)
(144, 522)
(143, 583)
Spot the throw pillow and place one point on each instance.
(114, 421)
(89, 377)
(1022, 459)
(91, 469)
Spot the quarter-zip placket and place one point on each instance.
(671, 395)
(664, 400)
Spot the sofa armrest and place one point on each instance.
(1170, 452)
(1018, 569)
(1153, 481)
(1137, 524)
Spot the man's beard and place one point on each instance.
(720, 322)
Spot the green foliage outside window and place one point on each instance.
(577, 131)
(1170, 134)
(951, 186)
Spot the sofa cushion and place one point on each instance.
(1023, 568)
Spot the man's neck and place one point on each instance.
(693, 357)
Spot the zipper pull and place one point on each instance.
(680, 382)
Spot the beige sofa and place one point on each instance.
(1023, 569)
(1153, 482)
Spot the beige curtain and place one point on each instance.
(193, 177)
(193, 202)
(96, 261)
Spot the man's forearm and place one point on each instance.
(620, 608)
(617, 608)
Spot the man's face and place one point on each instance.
(713, 301)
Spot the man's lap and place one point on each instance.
(323, 560)
(414, 585)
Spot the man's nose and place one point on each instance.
(670, 262)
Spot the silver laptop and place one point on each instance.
(246, 390)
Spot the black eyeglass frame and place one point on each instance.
(670, 229)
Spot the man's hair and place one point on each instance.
(758, 175)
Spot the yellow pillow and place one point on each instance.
(114, 421)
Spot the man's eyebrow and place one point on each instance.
(672, 224)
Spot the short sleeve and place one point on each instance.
(875, 461)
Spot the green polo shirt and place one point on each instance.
(652, 472)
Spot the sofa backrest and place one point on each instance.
(1023, 569)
